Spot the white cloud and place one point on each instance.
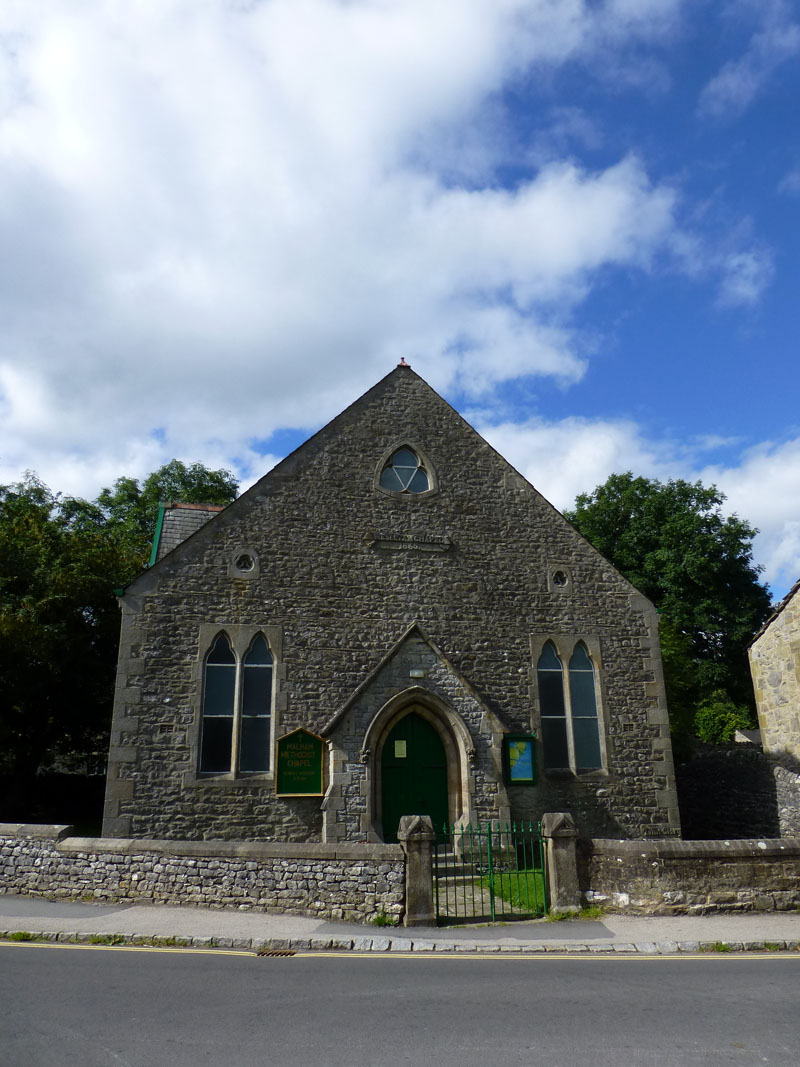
(571, 456)
(228, 219)
(764, 488)
(790, 183)
(745, 276)
(740, 80)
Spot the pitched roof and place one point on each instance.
(176, 522)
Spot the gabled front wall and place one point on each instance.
(342, 571)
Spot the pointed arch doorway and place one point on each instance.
(413, 774)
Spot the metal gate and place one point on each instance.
(485, 873)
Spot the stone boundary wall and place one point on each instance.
(671, 877)
(738, 791)
(349, 882)
(353, 882)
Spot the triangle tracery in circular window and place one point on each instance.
(404, 472)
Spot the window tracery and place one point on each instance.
(569, 710)
(405, 472)
(237, 708)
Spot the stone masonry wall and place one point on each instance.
(345, 882)
(354, 882)
(738, 791)
(671, 877)
(341, 570)
(775, 666)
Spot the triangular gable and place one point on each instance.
(287, 470)
(415, 630)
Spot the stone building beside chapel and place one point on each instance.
(775, 667)
(395, 588)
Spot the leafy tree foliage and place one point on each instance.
(131, 507)
(58, 629)
(672, 541)
(718, 718)
(60, 560)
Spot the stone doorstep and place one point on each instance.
(388, 944)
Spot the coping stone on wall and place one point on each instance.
(39, 831)
(255, 850)
(672, 848)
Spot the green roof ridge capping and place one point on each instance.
(157, 535)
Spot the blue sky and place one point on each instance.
(222, 222)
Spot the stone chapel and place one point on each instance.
(399, 598)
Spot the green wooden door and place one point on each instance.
(413, 775)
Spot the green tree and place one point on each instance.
(58, 631)
(672, 541)
(60, 560)
(130, 507)
(718, 719)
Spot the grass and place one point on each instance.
(20, 935)
(380, 918)
(591, 912)
(523, 890)
(716, 946)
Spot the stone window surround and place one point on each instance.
(565, 646)
(433, 481)
(459, 748)
(235, 571)
(240, 636)
(553, 569)
(455, 737)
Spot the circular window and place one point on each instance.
(560, 578)
(244, 562)
(405, 472)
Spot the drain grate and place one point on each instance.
(275, 952)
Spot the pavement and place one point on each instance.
(256, 931)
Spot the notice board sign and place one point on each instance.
(299, 764)
(520, 759)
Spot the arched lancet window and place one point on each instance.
(219, 698)
(237, 708)
(256, 707)
(404, 472)
(553, 710)
(583, 705)
(569, 712)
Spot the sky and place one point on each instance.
(578, 220)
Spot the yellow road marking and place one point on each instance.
(129, 948)
(539, 956)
